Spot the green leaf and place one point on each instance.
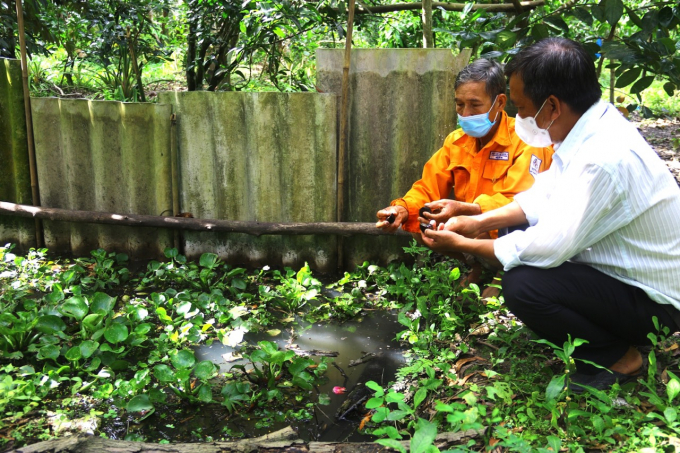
(164, 373)
(75, 307)
(578, 342)
(208, 260)
(670, 414)
(380, 414)
(540, 31)
(554, 442)
(50, 324)
(613, 10)
(143, 329)
(557, 22)
(73, 354)
(205, 370)
(102, 303)
(633, 17)
(505, 38)
(120, 365)
(598, 12)
(116, 333)
(424, 436)
(555, 387)
(92, 320)
(88, 347)
(666, 16)
(302, 380)
(628, 77)
(673, 387)
(420, 395)
(391, 432)
(375, 387)
(641, 84)
(668, 44)
(374, 402)
(48, 352)
(183, 359)
(205, 393)
(238, 284)
(394, 397)
(583, 15)
(392, 443)
(324, 399)
(139, 403)
(669, 88)
(650, 21)
(398, 415)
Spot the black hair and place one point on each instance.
(483, 70)
(560, 67)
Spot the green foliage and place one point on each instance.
(69, 334)
(260, 46)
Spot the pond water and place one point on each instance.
(374, 332)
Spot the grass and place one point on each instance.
(90, 336)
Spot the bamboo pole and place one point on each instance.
(344, 128)
(35, 193)
(174, 178)
(428, 36)
(186, 223)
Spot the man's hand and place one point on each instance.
(397, 214)
(443, 241)
(448, 243)
(443, 210)
(470, 227)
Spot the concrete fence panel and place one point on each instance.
(401, 109)
(104, 156)
(266, 157)
(15, 176)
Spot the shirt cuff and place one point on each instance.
(505, 250)
(529, 205)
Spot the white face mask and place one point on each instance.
(529, 132)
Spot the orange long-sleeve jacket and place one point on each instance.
(489, 177)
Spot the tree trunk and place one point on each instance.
(191, 50)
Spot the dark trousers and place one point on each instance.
(579, 300)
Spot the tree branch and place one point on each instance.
(184, 223)
(492, 8)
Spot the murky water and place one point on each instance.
(374, 332)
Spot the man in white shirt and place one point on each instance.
(601, 257)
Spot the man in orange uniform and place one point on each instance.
(484, 162)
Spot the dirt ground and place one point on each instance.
(663, 135)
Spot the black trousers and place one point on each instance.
(579, 300)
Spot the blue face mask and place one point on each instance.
(477, 125)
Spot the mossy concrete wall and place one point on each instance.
(267, 157)
(15, 176)
(104, 156)
(401, 108)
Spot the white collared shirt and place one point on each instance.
(607, 201)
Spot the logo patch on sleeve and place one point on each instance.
(535, 166)
(498, 155)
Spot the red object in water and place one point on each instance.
(339, 390)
